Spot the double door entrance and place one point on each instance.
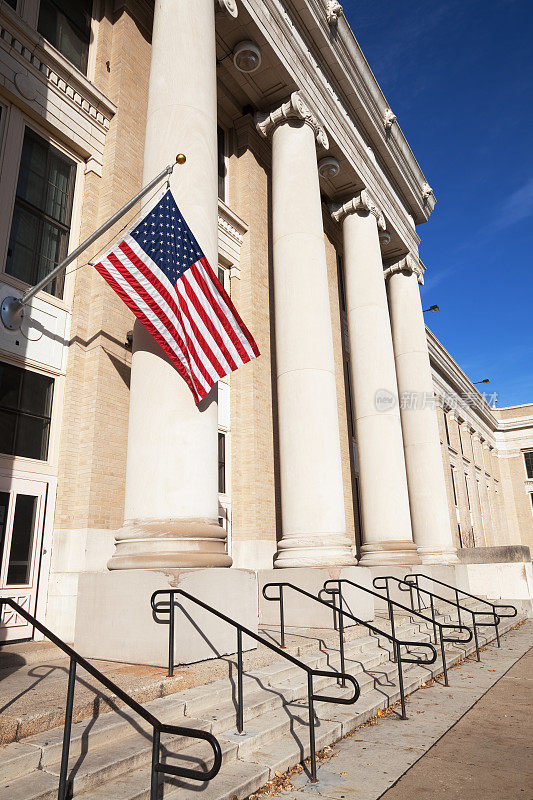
(22, 507)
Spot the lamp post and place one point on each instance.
(431, 308)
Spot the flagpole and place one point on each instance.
(12, 308)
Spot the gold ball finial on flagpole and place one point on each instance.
(181, 159)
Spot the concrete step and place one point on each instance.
(111, 759)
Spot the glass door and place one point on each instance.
(22, 504)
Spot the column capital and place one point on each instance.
(408, 264)
(476, 437)
(360, 203)
(294, 108)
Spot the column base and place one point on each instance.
(170, 544)
(310, 551)
(438, 555)
(115, 622)
(389, 552)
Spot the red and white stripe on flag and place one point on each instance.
(193, 319)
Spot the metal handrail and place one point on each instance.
(311, 673)
(497, 616)
(443, 639)
(158, 726)
(397, 643)
(406, 586)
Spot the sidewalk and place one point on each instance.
(472, 740)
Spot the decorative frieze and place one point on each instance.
(294, 108)
(361, 203)
(409, 264)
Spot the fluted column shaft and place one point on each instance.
(383, 485)
(425, 473)
(171, 512)
(312, 501)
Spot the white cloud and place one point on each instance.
(517, 207)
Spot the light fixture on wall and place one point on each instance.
(328, 167)
(247, 56)
(384, 238)
(432, 308)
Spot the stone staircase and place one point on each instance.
(110, 755)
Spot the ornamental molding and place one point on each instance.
(427, 192)
(408, 265)
(40, 65)
(333, 11)
(228, 6)
(294, 108)
(361, 203)
(389, 118)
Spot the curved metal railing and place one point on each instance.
(168, 607)
(497, 613)
(442, 639)
(397, 643)
(158, 727)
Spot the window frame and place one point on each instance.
(33, 415)
(528, 453)
(86, 68)
(42, 216)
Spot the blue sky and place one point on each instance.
(458, 76)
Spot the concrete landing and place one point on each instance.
(472, 740)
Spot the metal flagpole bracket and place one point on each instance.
(12, 308)
(12, 312)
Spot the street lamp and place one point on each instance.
(431, 308)
(485, 380)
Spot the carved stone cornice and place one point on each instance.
(333, 11)
(294, 108)
(409, 264)
(389, 118)
(228, 6)
(361, 203)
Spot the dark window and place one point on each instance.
(12, 3)
(66, 24)
(531, 498)
(41, 217)
(221, 463)
(340, 281)
(350, 401)
(467, 494)
(446, 428)
(453, 486)
(460, 535)
(528, 458)
(18, 571)
(221, 146)
(25, 411)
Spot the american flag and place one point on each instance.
(160, 272)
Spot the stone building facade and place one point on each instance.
(300, 186)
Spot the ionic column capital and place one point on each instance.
(409, 264)
(361, 203)
(228, 6)
(294, 108)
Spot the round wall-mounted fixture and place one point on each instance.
(328, 167)
(247, 56)
(384, 238)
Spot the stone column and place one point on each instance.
(385, 515)
(487, 463)
(482, 486)
(425, 473)
(312, 502)
(171, 511)
(466, 433)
